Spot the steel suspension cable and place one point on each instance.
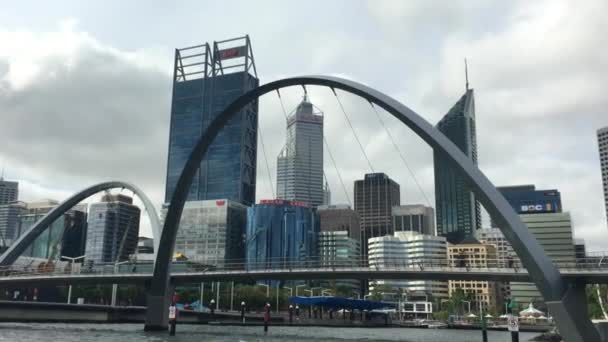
(400, 154)
(352, 129)
(266, 160)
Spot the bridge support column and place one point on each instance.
(571, 315)
(157, 312)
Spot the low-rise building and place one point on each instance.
(409, 249)
(472, 253)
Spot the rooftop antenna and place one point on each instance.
(466, 74)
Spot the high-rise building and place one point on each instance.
(475, 254)
(414, 218)
(10, 216)
(113, 229)
(300, 162)
(64, 237)
(409, 248)
(602, 142)
(340, 217)
(9, 191)
(211, 232)
(338, 249)
(375, 196)
(281, 233)
(204, 83)
(554, 233)
(525, 199)
(458, 212)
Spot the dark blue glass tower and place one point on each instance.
(525, 199)
(204, 84)
(281, 233)
(458, 212)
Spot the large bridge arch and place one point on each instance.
(17, 248)
(564, 300)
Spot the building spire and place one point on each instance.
(466, 74)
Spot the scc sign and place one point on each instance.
(547, 207)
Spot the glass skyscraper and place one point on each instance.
(211, 232)
(458, 212)
(113, 229)
(64, 237)
(204, 84)
(300, 162)
(9, 191)
(375, 196)
(280, 232)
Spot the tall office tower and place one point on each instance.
(113, 229)
(409, 248)
(458, 212)
(414, 218)
(375, 196)
(211, 232)
(64, 237)
(602, 141)
(9, 191)
(340, 217)
(281, 233)
(300, 162)
(554, 233)
(204, 83)
(477, 255)
(10, 214)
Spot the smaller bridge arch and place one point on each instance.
(19, 246)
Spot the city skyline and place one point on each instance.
(570, 164)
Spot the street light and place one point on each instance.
(115, 286)
(324, 291)
(71, 260)
(297, 288)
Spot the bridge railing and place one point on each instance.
(309, 263)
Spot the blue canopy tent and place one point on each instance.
(340, 303)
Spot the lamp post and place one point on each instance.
(115, 286)
(297, 288)
(71, 260)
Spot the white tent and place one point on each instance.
(488, 316)
(472, 315)
(504, 316)
(531, 312)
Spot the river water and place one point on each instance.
(38, 332)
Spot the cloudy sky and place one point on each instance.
(85, 88)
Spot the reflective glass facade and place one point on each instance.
(9, 222)
(281, 232)
(458, 212)
(211, 232)
(525, 199)
(64, 237)
(9, 191)
(113, 229)
(228, 169)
